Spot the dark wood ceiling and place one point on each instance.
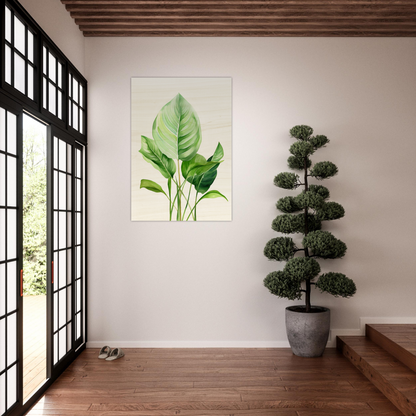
(368, 18)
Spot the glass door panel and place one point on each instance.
(62, 263)
(79, 247)
(10, 286)
(34, 255)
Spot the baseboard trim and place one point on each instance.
(333, 333)
(361, 330)
(385, 320)
(190, 344)
(252, 344)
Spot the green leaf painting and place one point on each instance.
(151, 186)
(174, 153)
(213, 194)
(204, 181)
(177, 130)
(196, 167)
(210, 194)
(153, 155)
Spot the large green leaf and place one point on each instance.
(197, 166)
(151, 186)
(203, 182)
(177, 130)
(212, 194)
(218, 154)
(151, 153)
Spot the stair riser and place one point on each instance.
(395, 396)
(407, 358)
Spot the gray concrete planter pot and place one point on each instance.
(307, 332)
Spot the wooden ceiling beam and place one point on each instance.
(244, 17)
(228, 3)
(400, 24)
(319, 15)
(239, 26)
(248, 33)
(76, 12)
(302, 7)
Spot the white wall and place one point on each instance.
(193, 284)
(57, 23)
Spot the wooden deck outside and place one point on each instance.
(34, 344)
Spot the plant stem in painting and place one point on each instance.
(177, 136)
(179, 188)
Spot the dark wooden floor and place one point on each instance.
(202, 382)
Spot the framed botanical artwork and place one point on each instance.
(181, 149)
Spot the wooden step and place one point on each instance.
(398, 340)
(394, 379)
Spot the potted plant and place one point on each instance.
(307, 326)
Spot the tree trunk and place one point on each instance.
(308, 281)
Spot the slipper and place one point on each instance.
(115, 354)
(104, 352)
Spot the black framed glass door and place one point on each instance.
(65, 267)
(62, 252)
(79, 212)
(34, 230)
(37, 79)
(10, 260)
(66, 252)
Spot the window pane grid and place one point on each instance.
(52, 74)
(8, 367)
(8, 26)
(78, 245)
(56, 332)
(64, 287)
(19, 54)
(76, 102)
(8, 259)
(62, 248)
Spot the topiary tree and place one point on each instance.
(304, 214)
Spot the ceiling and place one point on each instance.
(371, 18)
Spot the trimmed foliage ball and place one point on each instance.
(302, 268)
(298, 164)
(336, 284)
(320, 190)
(318, 141)
(309, 199)
(301, 132)
(280, 248)
(289, 224)
(287, 205)
(324, 245)
(301, 149)
(323, 170)
(330, 211)
(283, 286)
(286, 180)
